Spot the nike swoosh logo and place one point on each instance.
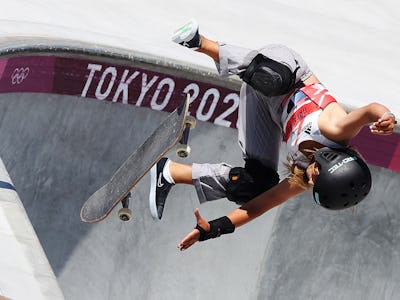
(159, 183)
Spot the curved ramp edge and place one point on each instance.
(25, 272)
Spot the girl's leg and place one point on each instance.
(180, 173)
(259, 132)
(210, 180)
(210, 48)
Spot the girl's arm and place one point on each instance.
(349, 125)
(275, 196)
(280, 193)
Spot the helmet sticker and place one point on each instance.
(340, 164)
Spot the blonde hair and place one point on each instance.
(296, 174)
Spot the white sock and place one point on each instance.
(167, 174)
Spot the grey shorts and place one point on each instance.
(259, 123)
(210, 180)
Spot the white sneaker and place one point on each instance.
(188, 35)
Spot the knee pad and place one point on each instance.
(248, 182)
(269, 77)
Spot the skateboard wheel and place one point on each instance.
(183, 151)
(125, 214)
(191, 121)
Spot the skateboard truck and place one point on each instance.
(125, 214)
(183, 149)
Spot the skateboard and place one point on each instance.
(173, 130)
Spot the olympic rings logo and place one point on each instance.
(19, 75)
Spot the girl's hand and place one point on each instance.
(385, 125)
(194, 235)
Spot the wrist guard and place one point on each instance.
(217, 228)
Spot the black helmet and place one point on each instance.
(344, 178)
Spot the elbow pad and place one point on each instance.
(217, 228)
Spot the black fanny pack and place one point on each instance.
(269, 77)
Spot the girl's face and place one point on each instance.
(312, 172)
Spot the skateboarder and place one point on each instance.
(280, 100)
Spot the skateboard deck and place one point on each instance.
(100, 204)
